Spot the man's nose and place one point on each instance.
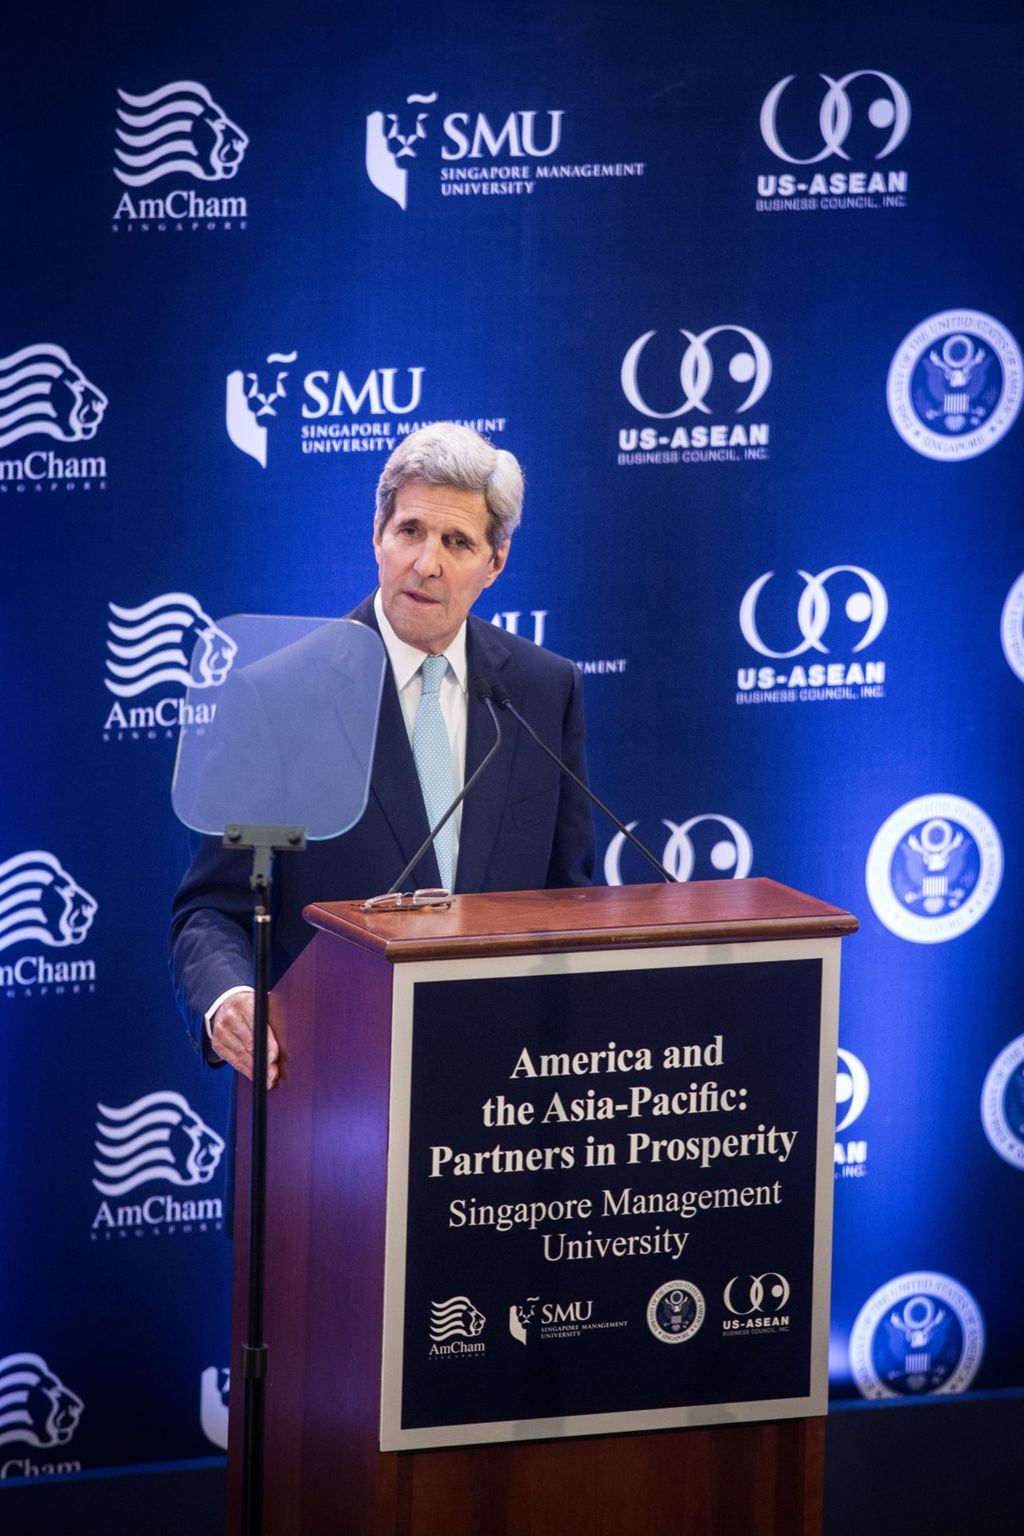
(428, 558)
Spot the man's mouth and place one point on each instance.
(420, 597)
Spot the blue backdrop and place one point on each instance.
(741, 289)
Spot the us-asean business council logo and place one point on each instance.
(1002, 1104)
(168, 142)
(331, 411)
(934, 868)
(705, 847)
(38, 1411)
(853, 1089)
(798, 621)
(955, 385)
(43, 909)
(833, 135)
(919, 1334)
(721, 373)
(481, 154)
(140, 1149)
(758, 1305)
(43, 394)
(168, 640)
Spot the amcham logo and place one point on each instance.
(42, 904)
(44, 394)
(176, 130)
(169, 639)
(36, 1409)
(158, 1139)
(147, 646)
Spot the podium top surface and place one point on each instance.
(588, 917)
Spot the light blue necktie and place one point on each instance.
(433, 753)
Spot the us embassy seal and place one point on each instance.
(920, 1334)
(675, 1312)
(954, 385)
(934, 868)
(1011, 627)
(1002, 1103)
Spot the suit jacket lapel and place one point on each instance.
(487, 655)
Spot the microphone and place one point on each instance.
(480, 690)
(501, 698)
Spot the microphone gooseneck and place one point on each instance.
(503, 701)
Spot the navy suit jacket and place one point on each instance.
(524, 825)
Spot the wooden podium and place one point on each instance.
(343, 1015)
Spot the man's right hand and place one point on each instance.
(231, 1034)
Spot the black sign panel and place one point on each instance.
(611, 1192)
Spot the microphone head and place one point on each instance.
(480, 689)
(500, 696)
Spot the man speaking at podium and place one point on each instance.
(448, 503)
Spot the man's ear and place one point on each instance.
(498, 559)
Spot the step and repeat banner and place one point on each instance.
(742, 291)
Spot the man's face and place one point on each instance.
(434, 560)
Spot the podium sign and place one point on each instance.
(609, 1191)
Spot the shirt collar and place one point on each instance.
(406, 660)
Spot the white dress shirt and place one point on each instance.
(406, 662)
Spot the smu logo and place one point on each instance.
(341, 412)
(157, 1139)
(214, 1402)
(36, 1408)
(178, 129)
(394, 138)
(41, 903)
(43, 394)
(147, 646)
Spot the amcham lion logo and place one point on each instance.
(178, 128)
(43, 393)
(148, 646)
(40, 901)
(455, 1318)
(157, 1139)
(35, 1405)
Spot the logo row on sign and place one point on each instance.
(954, 389)
(832, 132)
(920, 1334)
